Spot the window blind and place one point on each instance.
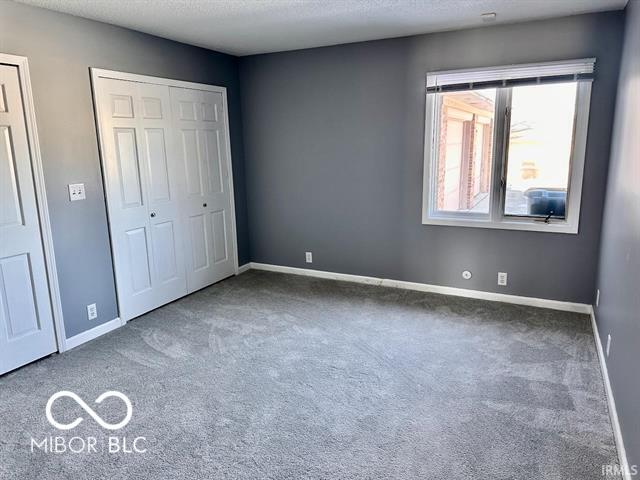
(511, 75)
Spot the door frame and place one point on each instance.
(46, 236)
(97, 73)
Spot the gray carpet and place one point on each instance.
(271, 376)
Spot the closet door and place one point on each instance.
(201, 135)
(26, 321)
(144, 184)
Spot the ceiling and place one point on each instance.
(246, 27)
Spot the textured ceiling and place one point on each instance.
(245, 27)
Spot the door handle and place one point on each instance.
(153, 214)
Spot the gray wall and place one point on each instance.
(334, 158)
(61, 49)
(619, 274)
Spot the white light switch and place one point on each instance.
(76, 191)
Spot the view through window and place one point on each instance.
(539, 152)
(465, 150)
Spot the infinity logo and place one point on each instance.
(89, 410)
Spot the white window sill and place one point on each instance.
(524, 224)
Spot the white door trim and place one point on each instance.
(93, 333)
(134, 77)
(41, 194)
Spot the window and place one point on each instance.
(463, 161)
(504, 147)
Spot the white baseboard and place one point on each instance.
(613, 412)
(92, 333)
(244, 268)
(424, 287)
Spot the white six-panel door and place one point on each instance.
(169, 189)
(201, 129)
(144, 186)
(26, 322)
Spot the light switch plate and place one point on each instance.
(76, 192)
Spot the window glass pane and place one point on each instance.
(465, 149)
(539, 152)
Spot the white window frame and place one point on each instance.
(495, 218)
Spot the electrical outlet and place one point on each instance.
(92, 311)
(502, 278)
(597, 297)
(467, 275)
(608, 344)
(76, 192)
(308, 256)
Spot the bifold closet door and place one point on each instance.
(26, 320)
(144, 186)
(201, 135)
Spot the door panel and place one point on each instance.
(121, 106)
(187, 110)
(10, 209)
(219, 236)
(212, 153)
(127, 155)
(19, 310)
(151, 108)
(157, 161)
(199, 242)
(3, 104)
(142, 169)
(201, 129)
(164, 240)
(138, 260)
(26, 320)
(203, 164)
(191, 160)
(210, 112)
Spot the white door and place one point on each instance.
(144, 185)
(201, 135)
(26, 321)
